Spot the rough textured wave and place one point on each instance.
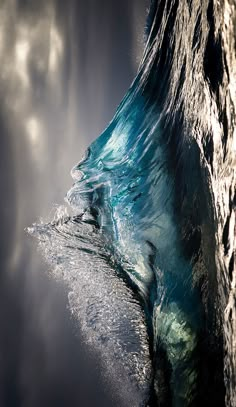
(149, 246)
(109, 313)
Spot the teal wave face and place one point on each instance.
(126, 181)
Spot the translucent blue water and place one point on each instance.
(126, 180)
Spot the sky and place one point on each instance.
(64, 68)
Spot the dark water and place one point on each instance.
(146, 243)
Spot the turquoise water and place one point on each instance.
(126, 181)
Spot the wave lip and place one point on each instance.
(109, 315)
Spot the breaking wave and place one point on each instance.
(139, 244)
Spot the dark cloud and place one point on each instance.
(64, 68)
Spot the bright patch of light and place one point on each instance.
(56, 48)
(36, 137)
(33, 130)
(22, 48)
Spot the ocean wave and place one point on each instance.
(140, 250)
